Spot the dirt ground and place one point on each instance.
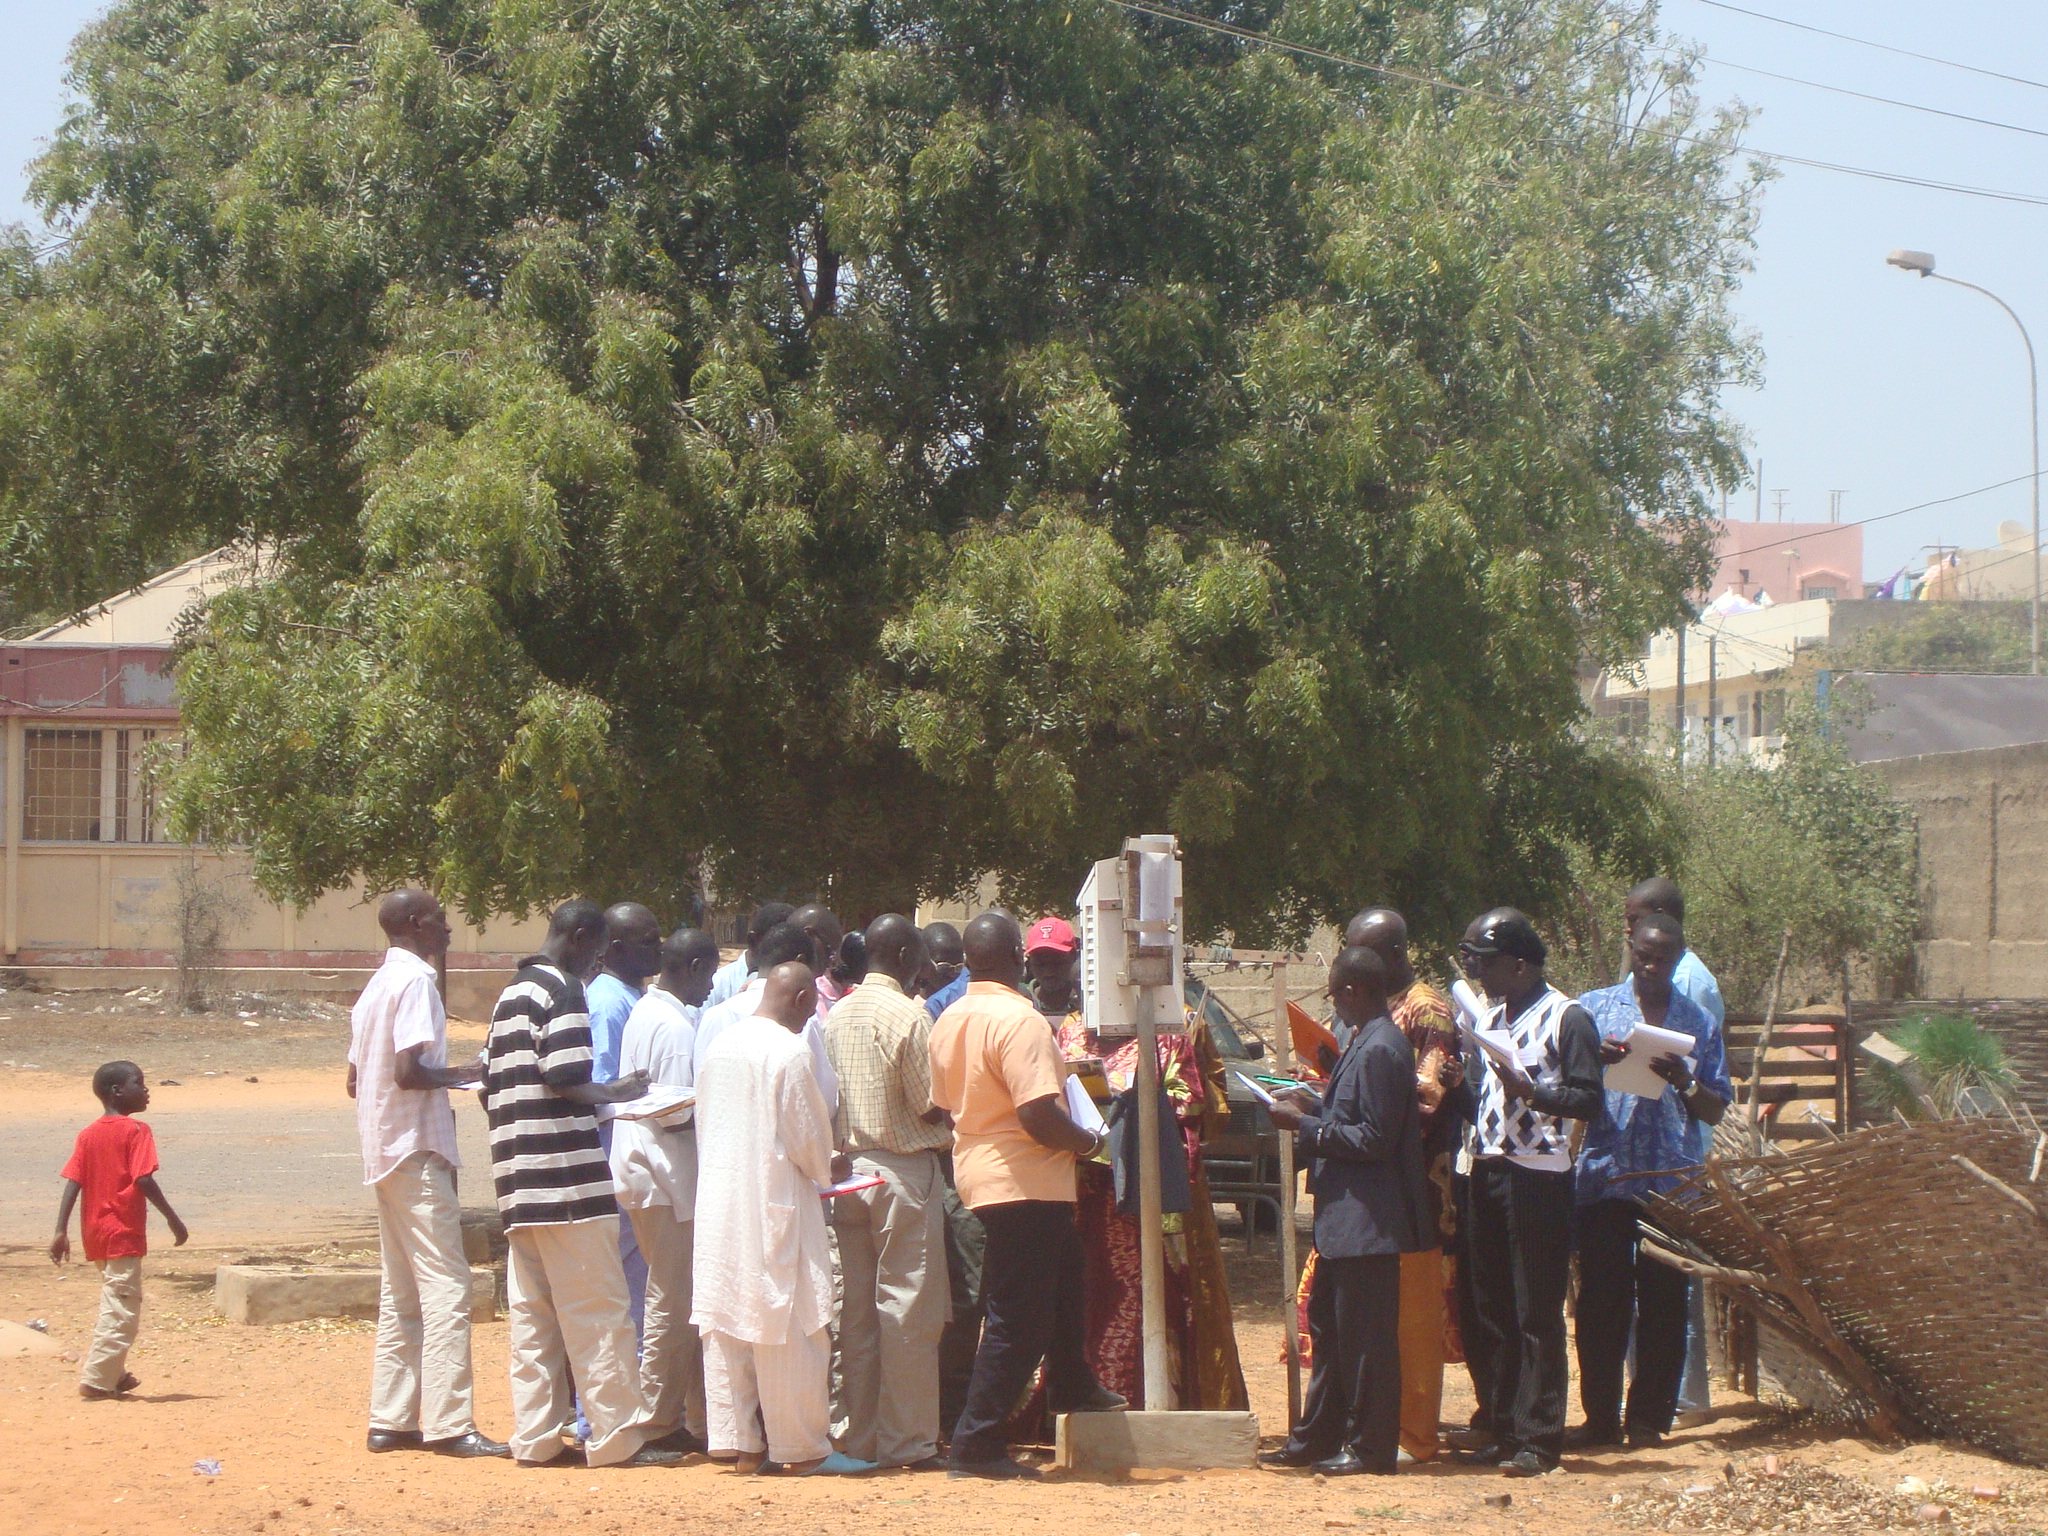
(269, 1166)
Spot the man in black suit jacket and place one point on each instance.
(1362, 1147)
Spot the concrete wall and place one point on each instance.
(1984, 864)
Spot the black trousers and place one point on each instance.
(960, 1340)
(1031, 1293)
(1354, 1389)
(1521, 1249)
(1620, 1289)
(1477, 1364)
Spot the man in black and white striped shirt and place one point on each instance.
(567, 1291)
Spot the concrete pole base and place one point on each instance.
(1185, 1442)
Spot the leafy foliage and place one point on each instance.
(1951, 1055)
(845, 446)
(1942, 637)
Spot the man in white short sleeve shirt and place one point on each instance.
(398, 1074)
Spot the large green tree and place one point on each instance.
(850, 446)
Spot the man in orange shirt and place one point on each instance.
(996, 1070)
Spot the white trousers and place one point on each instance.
(568, 1312)
(892, 1254)
(671, 1354)
(784, 1388)
(120, 1315)
(421, 1378)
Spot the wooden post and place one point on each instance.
(1151, 1219)
(1290, 1273)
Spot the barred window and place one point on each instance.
(64, 774)
(89, 786)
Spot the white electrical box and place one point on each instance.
(1130, 927)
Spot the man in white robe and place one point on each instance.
(654, 1165)
(763, 1285)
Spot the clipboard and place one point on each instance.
(1645, 1043)
(852, 1186)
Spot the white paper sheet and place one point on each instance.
(1080, 1107)
(656, 1103)
(1470, 1008)
(1259, 1089)
(1500, 1046)
(1632, 1073)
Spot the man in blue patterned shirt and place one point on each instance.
(1631, 1152)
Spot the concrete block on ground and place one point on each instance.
(19, 1339)
(278, 1293)
(1187, 1442)
(483, 1236)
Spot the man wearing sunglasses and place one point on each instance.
(1520, 1242)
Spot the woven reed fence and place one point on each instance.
(1911, 1261)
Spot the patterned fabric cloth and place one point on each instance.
(1202, 1359)
(546, 1159)
(1423, 1014)
(1635, 1135)
(879, 1042)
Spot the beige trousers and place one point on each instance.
(671, 1354)
(568, 1311)
(421, 1378)
(782, 1388)
(897, 1298)
(120, 1315)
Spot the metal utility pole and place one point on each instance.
(1759, 490)
(1713, 704)
(1922, 262)
(1679, 706)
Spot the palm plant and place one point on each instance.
(1949, 1056)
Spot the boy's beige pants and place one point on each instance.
(120, 1314)
(421, 1378)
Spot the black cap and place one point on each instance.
(1509, 932)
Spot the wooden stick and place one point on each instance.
(1763, 1046)
(1705, 1271)
(1888, 1418)
(1290, 1273)
(2001, 1186)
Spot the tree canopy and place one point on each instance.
(846, 446)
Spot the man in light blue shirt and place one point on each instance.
(949, 967)
(733, 976)
(1638, 1147)
(1696, 982)
(632, 955)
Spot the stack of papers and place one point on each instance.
(657, 1103)
(1632, 1073)
(1080, 1106)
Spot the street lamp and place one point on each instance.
(1922, 262)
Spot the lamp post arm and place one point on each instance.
(2034, 431)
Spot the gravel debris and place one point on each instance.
(1796, 1498)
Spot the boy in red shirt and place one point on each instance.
(114, 1163)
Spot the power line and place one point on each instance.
(1160, 11)
(1843, 90)
(1864, 42)
(1939, 501)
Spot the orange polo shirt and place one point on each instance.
(992, 1051)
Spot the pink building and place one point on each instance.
(1790, 561)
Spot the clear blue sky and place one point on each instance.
(1888, 388)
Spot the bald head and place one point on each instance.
(1656, 894)
(689, 963)
(634, 951)
(896, 949)
(1385, 932)
(817, 920)
(1358, 985)
(413, 920)
(994, 949)
(789, 996)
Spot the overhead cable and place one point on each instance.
(1864, 42)
(1163, 12)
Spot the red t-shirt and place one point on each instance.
(106, 1160)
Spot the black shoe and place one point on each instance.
(1343, 1464)
(1002, 1469)
(1526, 1464)
(681, 1441)
(929, 1464)
(1289, 1458)
(1487, 1455)
(1644, 1439)
(1593, 1437)
(1101, 1400)
(562, 1458)
(381, 1440)
(648, 1456)
(471, 1444)
(1475, 1438)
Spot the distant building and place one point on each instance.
(91, 887)
(1788, 562)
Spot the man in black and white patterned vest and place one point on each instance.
(1542, 1056)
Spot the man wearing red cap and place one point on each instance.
(1052, 967)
